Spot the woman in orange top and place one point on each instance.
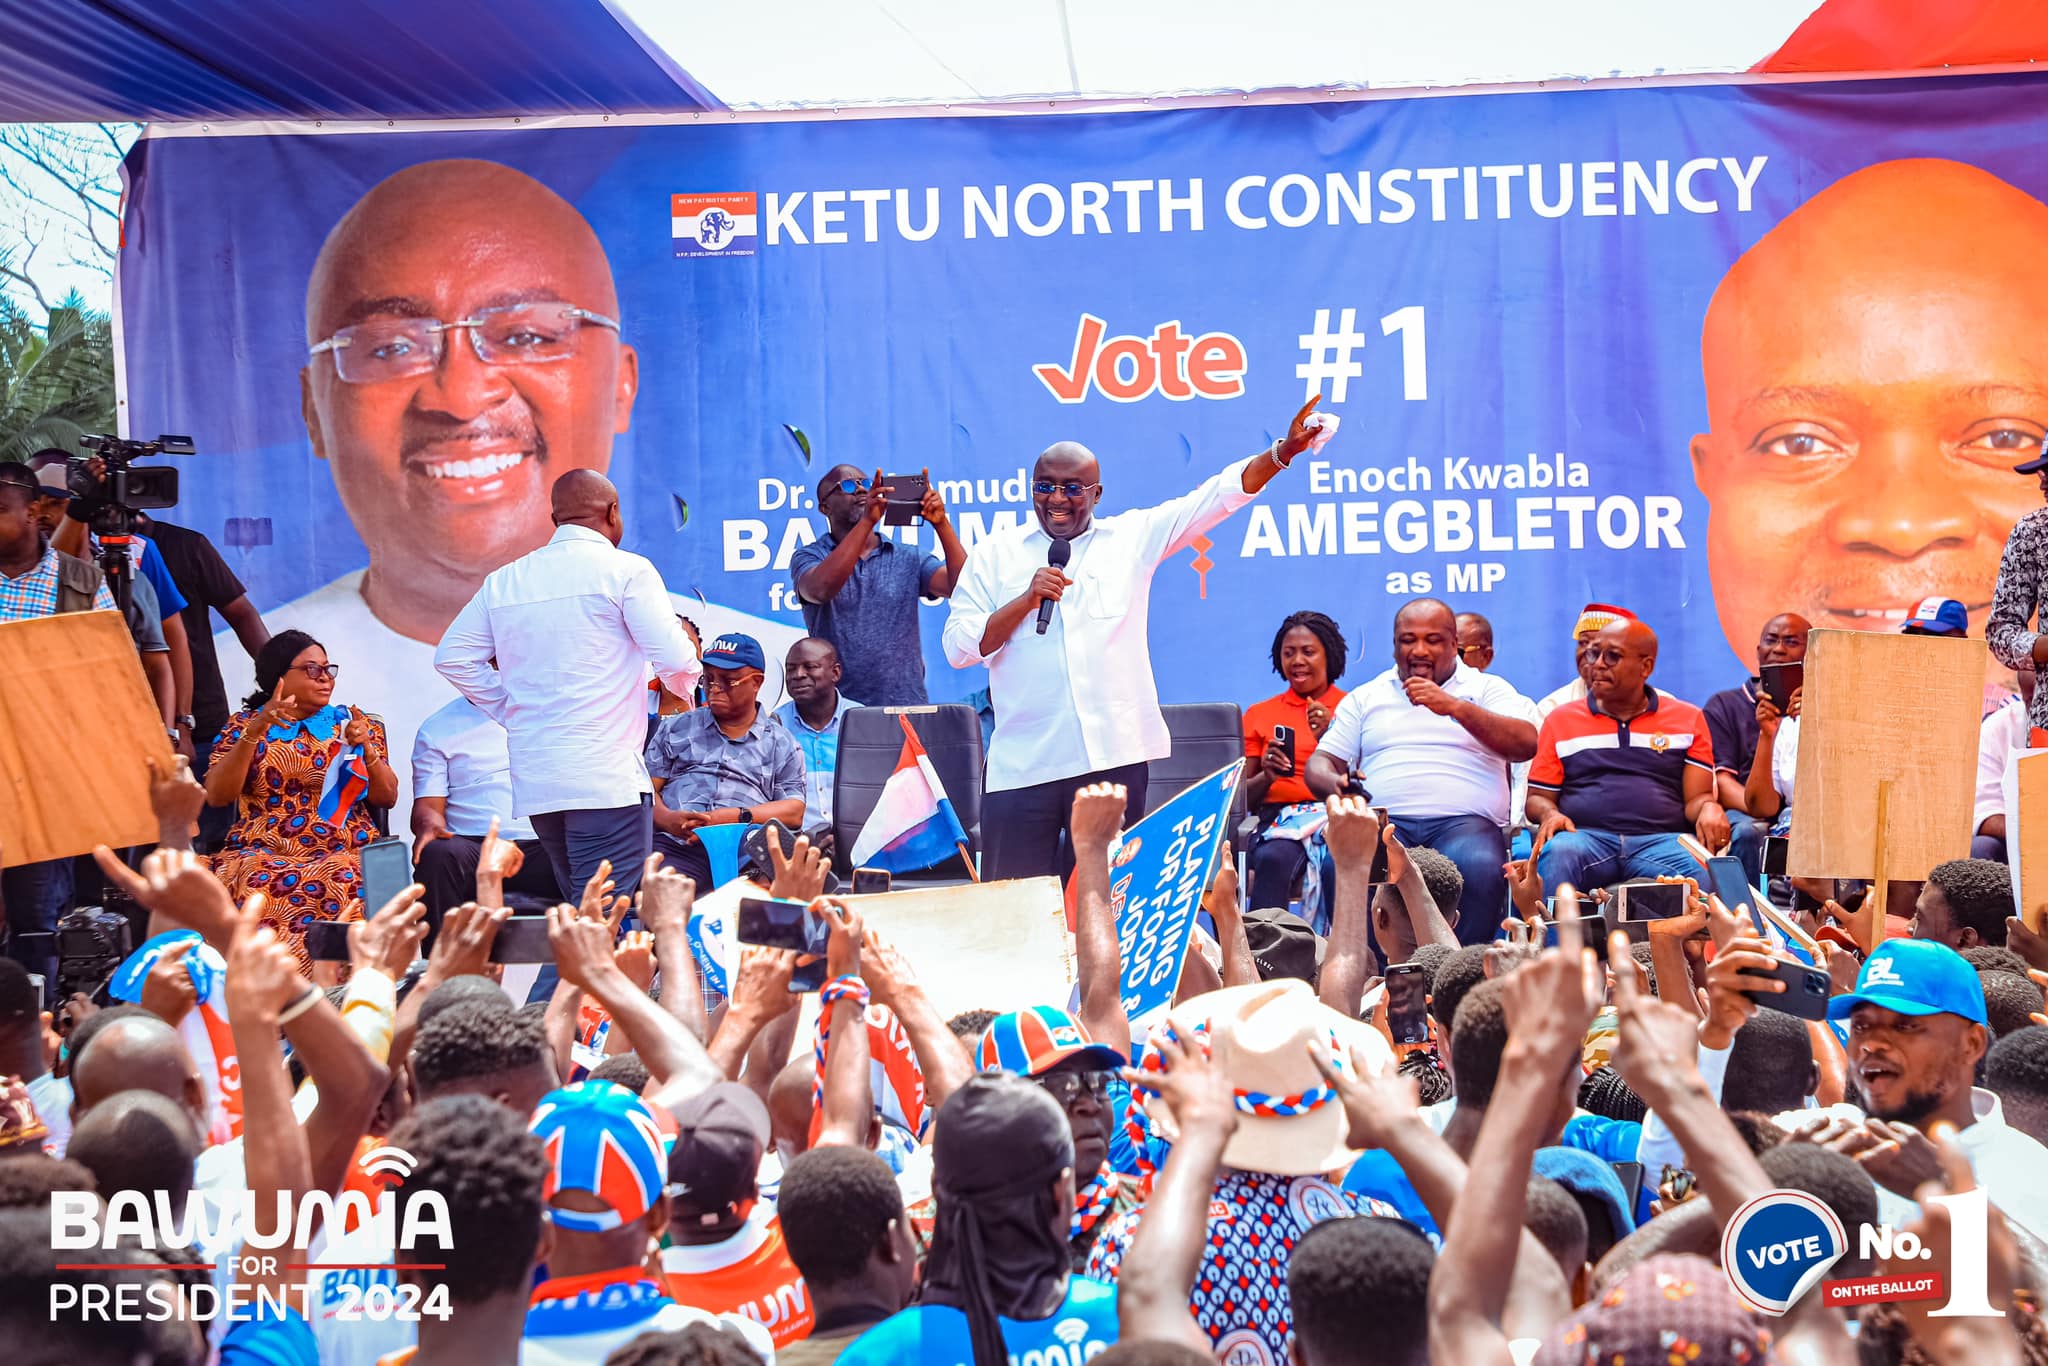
(1308, 651)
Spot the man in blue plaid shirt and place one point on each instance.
(36, 581)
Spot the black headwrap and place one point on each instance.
(999, 1246)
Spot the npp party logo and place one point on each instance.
(1778, 1246)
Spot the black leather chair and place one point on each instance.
(1206, 736)
(871, 741)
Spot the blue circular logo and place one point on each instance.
(1778, 1246)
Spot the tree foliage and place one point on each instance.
(56, 377)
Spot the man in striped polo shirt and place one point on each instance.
(1618, 776)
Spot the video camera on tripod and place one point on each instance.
(113, 495)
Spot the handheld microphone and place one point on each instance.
(1057, 554)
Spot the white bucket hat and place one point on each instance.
(1262, 1033)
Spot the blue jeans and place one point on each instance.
(1479, 848)
(35, 895)
(1747, 844)
(577, 841)
(1598, 858)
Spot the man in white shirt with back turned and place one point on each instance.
(1074, 700)
(1432, 739)
(556, 647)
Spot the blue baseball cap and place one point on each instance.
(736, 652)
(1916, 977)
(2037, 464)
(1581, 1173)
(1937, 617)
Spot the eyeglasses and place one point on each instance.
(852, 486)
(1066, 1087)
(319, 673)
(1610, 656)
(1073, 488)
(712, 684)
(1473, 649)
(515, 334)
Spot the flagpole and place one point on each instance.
(967, 859)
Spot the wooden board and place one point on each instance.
(2026, 829)
(987, 946)
(1883, 706)
(76, 720)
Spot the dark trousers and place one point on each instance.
(1276, 866)
(35, 895)
(1021, 828)
(577, 841)
(687, 857)
(447, 870)
(213, 820)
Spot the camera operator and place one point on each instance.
(37, 581)
(72, 535)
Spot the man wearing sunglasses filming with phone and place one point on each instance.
(1069, 661)
(860, 590)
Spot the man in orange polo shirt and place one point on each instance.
(1309, 652)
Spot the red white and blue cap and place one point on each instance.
(1937, 617)
(1033, 1042)
(601, 1139)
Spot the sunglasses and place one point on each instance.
(1073, 488)
(1066, 1087)
(319, 673)
(852, 486)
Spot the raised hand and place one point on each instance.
(499, 857)
(262, 979)
(463, 947)
(281, 710)
(886, 971)
(1550, 1002)
(175, 884)
(933, 508)
(1656, 1042)
(1375, 1105)
(798, 875)
(1353, 833)
(389, 940)
(582, 946)
(1738, 967)
(177, 799)
(357, 731)
(760, 988)
(167, 990)
(842, 952)
(1098, 815)
(634, 956)
(1525, 887)
(666, 898)
(597, 893)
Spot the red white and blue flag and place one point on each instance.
(348, 779)
(912, 825)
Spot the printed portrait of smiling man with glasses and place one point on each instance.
(464, 351)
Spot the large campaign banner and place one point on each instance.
(1707, 352)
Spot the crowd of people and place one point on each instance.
(640, 1166)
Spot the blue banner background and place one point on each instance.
(1576, 334)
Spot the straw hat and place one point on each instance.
(1261, 1032)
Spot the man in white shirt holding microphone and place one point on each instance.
(1064, 638)
(556, 647)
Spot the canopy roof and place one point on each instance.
(202, 60)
